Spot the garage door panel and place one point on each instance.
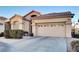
(51, 29)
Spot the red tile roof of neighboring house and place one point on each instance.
(3, 18)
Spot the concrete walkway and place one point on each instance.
(33, 44)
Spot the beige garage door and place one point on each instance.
(50, 29)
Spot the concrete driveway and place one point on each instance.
(34, 44)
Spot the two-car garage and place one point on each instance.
(50, 29)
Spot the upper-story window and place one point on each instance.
(33, 15)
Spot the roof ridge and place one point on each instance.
(31, 12)
(58, 12)
(3, 17)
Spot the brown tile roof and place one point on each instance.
(54, 15)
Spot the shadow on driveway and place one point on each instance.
(4, 47)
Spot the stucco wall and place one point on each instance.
(68, 29)
(17, 19)
(50, 20)
(2, 25)
(25, 25)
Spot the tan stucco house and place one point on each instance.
(75, 28)
(16, 22)
(51, 24)
(2, 21)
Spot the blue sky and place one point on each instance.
(8, 11)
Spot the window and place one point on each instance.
(41, 25)
(33, 15)
(44, 25)
(15, 25)
(38, 25)
(54, 24)
(62, 24)
(51, 25)
(59, 25)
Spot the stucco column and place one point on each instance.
(3, 26)
(68, 29)
(30, 28)
(11, 26)
(34, 29)
(20, 26)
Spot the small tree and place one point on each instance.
(16, 34)
(75, 45)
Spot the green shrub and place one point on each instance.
(16, 34)
(74, 43)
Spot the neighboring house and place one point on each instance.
(7, 25)
(16, 22)
(75, 28)
(52, 24)
(2, 21)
